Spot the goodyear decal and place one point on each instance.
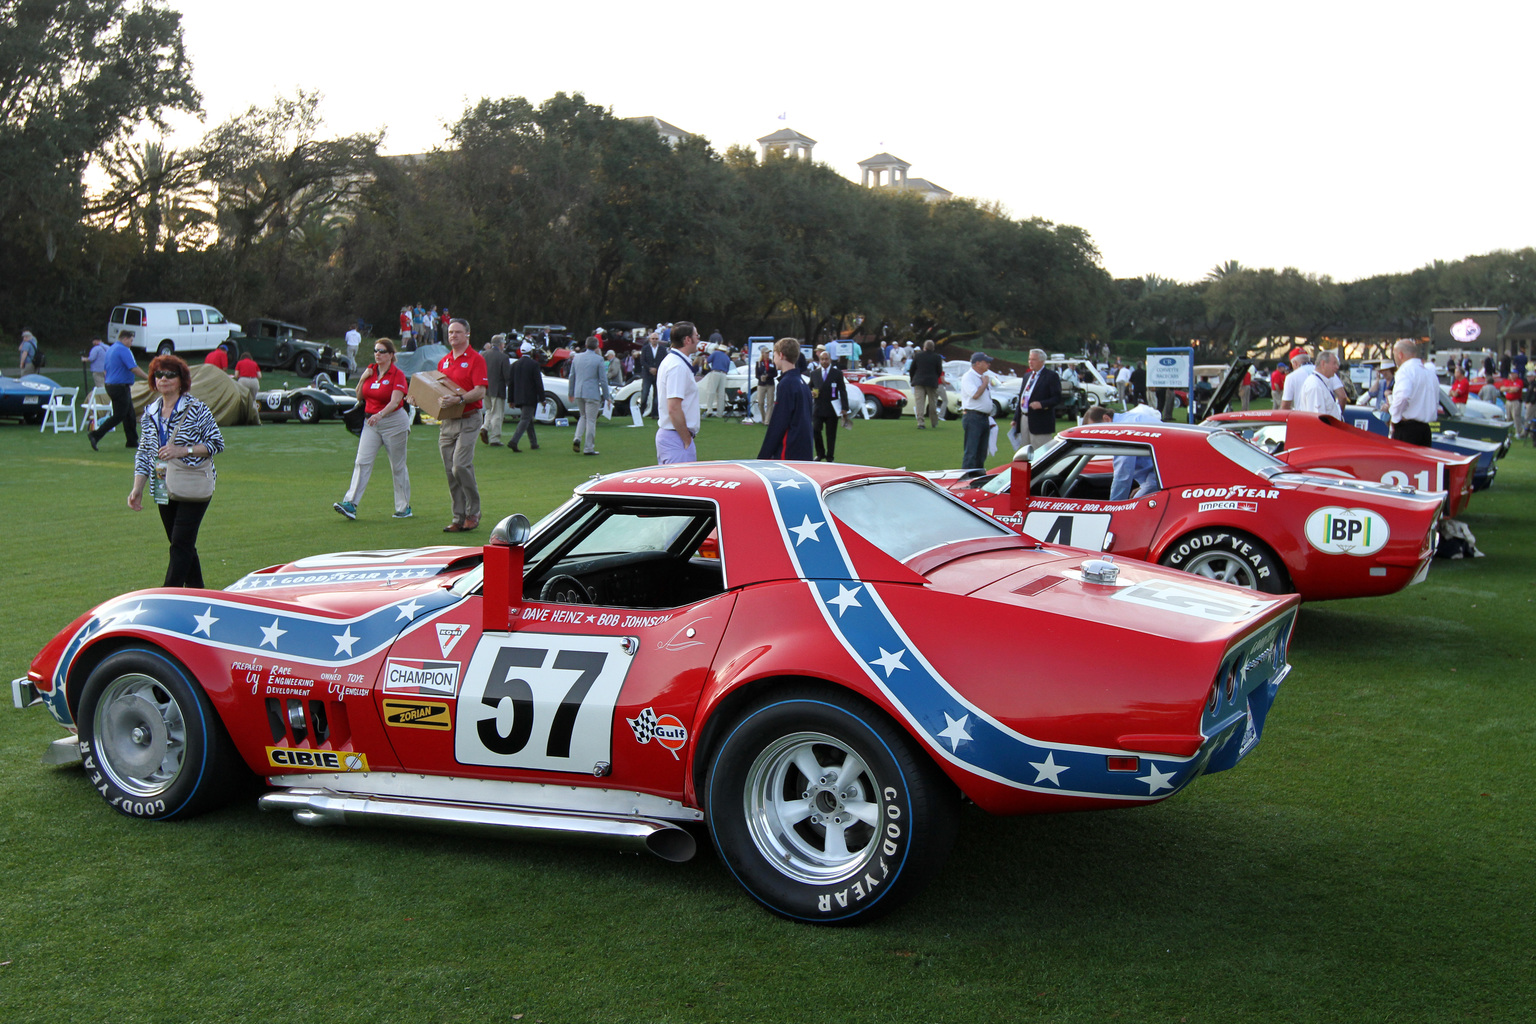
(317, 760)
(418, 714)
(955, 728)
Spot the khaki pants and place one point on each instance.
(495, 415)
(251, 384)
(927, 402)
(392, 431)
(763, 399)
(456, 443)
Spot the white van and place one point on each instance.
(160, 327)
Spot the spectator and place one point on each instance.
(976, 415)
(405, 329)
(120, 373)
(381, 389)
(28, 352)
(829, 402)
(218, 357)
(1461, 388)
(96, 361)
(1415, 400)
(679, 398)
(588, 389)
(176, 427)
(789, 426)
(1134, 474)
(1301, 369)
(1316, 395)
(927, 372)
(613, 368)
(1035, 418)
(712, 390)
(498, 376)
(248, 376)
(456, 436)
(354, 342)
(1277, 384)
(527, 393)
(651, 355)
(767, 376)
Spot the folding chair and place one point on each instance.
(60, 412)
(96, 407)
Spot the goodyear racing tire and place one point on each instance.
(1230, 556)
(151, 743)
(824, 810)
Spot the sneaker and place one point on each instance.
(404, 513)
(575, 446)
(346, 508)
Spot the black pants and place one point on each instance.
(182, 520)
(122, 412)
(648, 394)
(828, 450)
(1412, 432)
(524, 423)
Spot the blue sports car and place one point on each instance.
(23, 398)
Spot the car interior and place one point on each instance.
(1082, 472)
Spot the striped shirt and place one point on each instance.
(191, 424)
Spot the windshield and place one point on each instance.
(903, 517)
(1245, 455)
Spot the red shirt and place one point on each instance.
(1460, 387)
(405, 323)
(247, 367)
(379, 389)
(467, 371)
(1277, 383)
(218, 357)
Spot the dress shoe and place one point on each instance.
(513, 448)
(534, 447)
(92, 438)
(484, 437)
(454, 527)
(575, 446)
(471, 522)
(593, 452)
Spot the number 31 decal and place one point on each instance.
(540, 700)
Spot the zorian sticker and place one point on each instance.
(417, 714)
(1347, 531)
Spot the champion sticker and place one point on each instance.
(666, 730)
(1347, 531)
(417, 714)
(317, 760)
(421, 677)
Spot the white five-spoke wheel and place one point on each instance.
(813, 806)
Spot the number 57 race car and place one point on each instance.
(763, 651)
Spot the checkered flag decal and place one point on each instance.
(644, 725)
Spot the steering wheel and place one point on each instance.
(1049, 489)
(565, 589)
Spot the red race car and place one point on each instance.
(761, 649)
(1214, 504)
(1315, 443)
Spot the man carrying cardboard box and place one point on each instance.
(456, 439)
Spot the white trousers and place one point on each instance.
(393, 431)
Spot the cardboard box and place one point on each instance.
(428, 389)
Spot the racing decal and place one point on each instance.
(249, 630)
(540, 701)
(1078, 529)
(317, 760)
(1347, 531)
(418, 714)
(667, 730)
(1419, 480)
(1197, 599)
(1229, 506)
(330, 577)
(578, 617)
(1235, 491)
(684, 481)
(448, 634)
(956, 729)
(413, 676)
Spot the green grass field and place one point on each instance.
(1371, 861)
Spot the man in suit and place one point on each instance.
(651, 355)
(498, 370)
(588, 391)
(827, 387)
(1038, 399)
(527, 392)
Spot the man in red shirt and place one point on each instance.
(248, 376)
(218, 357)
(456, 438)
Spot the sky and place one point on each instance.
(1345, 138)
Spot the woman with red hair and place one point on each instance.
(176, 428)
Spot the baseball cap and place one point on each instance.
(980, 357)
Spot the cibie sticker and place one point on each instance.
(317, 760)
(1347, 531)
(666, 730)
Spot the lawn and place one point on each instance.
(1371, 861)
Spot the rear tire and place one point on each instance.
(1230, 557)
(152, 745)
(166, 348)
(825, 811)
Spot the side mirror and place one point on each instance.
(1018, 481)
(501, 588)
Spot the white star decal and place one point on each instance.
(955, 731)
(890, 662)
(806, 531)
(344, 641)
(205, 623)
(130, 614)
(1049, 769)
(1157, 780)
(789, 485)
(269, 635)
(408, 611)
(845, 599)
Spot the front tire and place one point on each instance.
(305, 364)
(1230, 557)
(548, 409)
(307, 410)
(825, 811)
(152, 745)
(166, 348)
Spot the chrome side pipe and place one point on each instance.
(325, 807)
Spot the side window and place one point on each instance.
(182, 318)
(197, 317)
(117, 314)
(215, 318)
(135, 318)
(629, 556)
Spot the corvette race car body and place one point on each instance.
(1216, 505)
(1308, 441)
(1485, 452)
(763, 648)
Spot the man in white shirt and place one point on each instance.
(678, 398)
(354, 339)
(1316, 394)
(976, 418)
(1415, 401)
(1301, 369)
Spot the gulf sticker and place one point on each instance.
(417, 714)
(667, 730)
(1347, 531)
(317, 760)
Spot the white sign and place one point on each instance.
(1347, 531)
(1169, 369)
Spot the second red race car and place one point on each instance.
(1212, 503)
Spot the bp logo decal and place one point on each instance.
(1347, 531)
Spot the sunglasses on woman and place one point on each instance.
(166, 375)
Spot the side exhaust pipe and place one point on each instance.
(324, 807)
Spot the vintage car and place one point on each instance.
(901, 382)
(1218, 506)
(322, 400)
(1315, 443)
(887, 402)
(278, 345)
(760, 650)
(1476, 419)
(23, 398)
(1486, 452)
